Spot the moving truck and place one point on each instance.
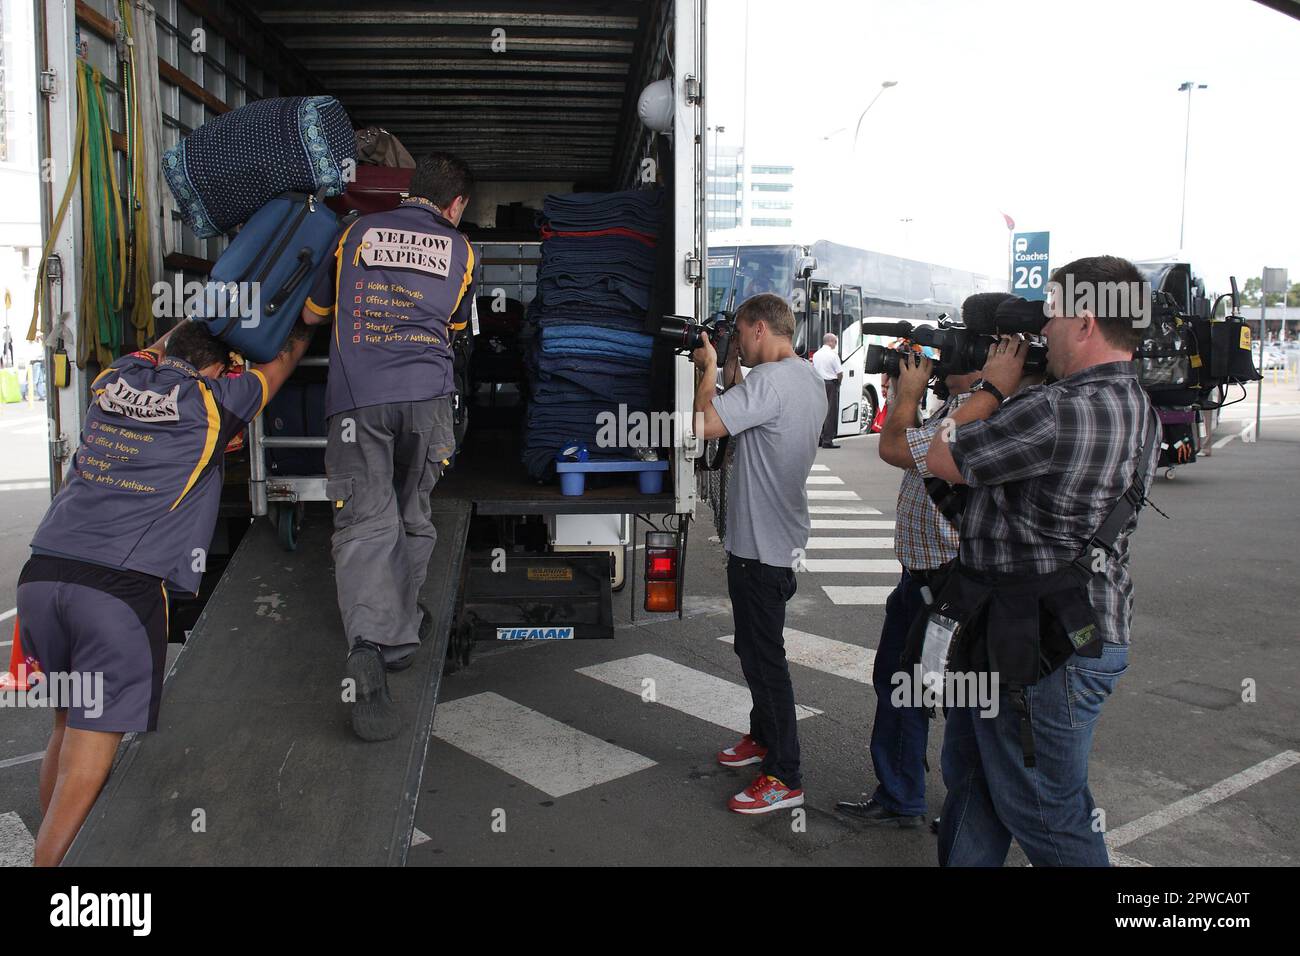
(538, 98)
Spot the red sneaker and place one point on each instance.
(764, 795)
(742, 754)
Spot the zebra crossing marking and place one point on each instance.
(824, 654)
(852, 566)
(842, 543)
(857, 595)
(683, 689)
(553, 757)
(841, 524)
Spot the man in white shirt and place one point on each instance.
(827, 362)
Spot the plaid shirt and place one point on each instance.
(923, 538)
(1046, 468)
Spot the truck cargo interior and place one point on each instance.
(538, 99)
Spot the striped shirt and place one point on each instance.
(1046, 468)
(923, 538)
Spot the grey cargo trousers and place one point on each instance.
(382, 463)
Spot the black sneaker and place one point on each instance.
(374, 715)
(829, 444)
(876, 814)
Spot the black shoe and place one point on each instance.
(374, 715)
(830, 444)
(869, 811)
(934, 826)
(426, 623)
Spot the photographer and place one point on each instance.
(1053, 471)
(924, 541)
(774, 414)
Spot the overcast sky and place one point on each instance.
(1063, 114)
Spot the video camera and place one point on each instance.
(963, 347)
(1183, 359)
(684, 334)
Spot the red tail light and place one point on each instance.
(661, 571)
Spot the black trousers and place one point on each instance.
(759, 593)
(832, 423)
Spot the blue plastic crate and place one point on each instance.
(649, 474)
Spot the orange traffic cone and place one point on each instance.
(21, 668)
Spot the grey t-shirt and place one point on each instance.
(774, 417)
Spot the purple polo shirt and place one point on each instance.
(400, 287)
(145, 484)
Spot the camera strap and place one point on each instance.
(719, 456)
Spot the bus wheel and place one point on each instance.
(868, 410)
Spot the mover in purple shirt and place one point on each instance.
(400, 290)
(134, 517)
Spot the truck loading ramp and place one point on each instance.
(254, 761)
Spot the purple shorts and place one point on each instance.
(100, 636)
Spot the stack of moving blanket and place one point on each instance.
(590, 353)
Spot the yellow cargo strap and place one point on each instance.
(103, 252)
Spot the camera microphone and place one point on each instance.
(894, 330)
(1020, 315)
(979, 311)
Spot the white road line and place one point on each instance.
(841, 510)
(17, 761)
(6, 643)
(823, 480)
(25, 486)
(1123, 859)
(418, 836)
(825, 655)
(823, 494)
(821, 468)
(17, 848)
(852, 566)
(683, 689)
(8, 614)
(1202, 799)
(857, 596)
(848, 524)
(553, 757)
(1223, 441)
(823, 544)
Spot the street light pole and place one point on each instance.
(858, 129)
(1187, 88)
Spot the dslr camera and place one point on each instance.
(684, 334)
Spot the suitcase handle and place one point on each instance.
(298, 274)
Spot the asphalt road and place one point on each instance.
(601, 752)
(1186, 770)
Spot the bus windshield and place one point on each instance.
(752, 269)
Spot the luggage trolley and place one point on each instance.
(283, 496)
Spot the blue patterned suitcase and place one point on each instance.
(231, 166)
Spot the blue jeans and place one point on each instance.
(898, 734)
(993, 796)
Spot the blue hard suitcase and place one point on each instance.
(257, 288)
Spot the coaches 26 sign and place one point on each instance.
(1029, 265)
